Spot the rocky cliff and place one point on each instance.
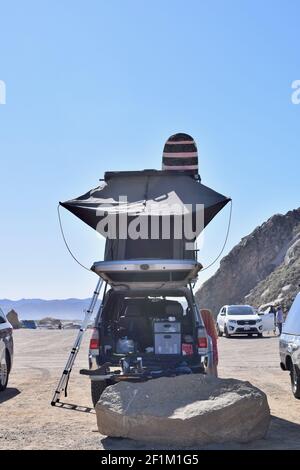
(264, 268)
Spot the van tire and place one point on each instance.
(295, 381)
(219, 331)
(97, 388)
(226, 332)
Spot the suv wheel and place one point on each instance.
(295, 382)
(226, 332)
(4, 372)
(97, 388)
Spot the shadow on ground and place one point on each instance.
(274, 440)
(8, 394)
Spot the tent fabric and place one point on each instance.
(148, 192)
(147, 249)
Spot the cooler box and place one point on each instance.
(167, 337)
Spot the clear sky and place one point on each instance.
(99, 85)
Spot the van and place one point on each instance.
(148, 326)
(289, 346)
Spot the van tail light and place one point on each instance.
(95, 341)
(202, 342)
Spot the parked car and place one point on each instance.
(289, 346)
(6, 350)
(149, 327)
(239, 319)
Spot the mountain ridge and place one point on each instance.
(35, 309)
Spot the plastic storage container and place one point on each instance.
(167, 343)
(167, 327)
(125, 346)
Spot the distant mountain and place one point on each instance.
(263, 269)
(35, 309)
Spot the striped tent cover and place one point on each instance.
(180, 153)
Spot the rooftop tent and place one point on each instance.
(163, 195)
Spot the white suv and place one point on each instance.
(239, 319)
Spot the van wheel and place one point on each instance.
(295, 382)
(219, 331)
(4, 372)
(260, 335)
(226, 332)
(97, 388)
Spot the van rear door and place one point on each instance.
(148, 273)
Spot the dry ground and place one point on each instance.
(27, 421)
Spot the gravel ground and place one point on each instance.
(27, 421)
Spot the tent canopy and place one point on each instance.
(145, 193)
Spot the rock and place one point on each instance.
(13, 319)
(183, 411)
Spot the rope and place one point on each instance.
(65, 241)
(225, 242)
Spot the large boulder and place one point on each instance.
(188, 410)
(13, 319)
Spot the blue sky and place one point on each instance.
(96, 85)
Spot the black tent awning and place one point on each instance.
(147, 193)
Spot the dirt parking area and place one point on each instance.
(27, 421)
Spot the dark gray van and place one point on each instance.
(289, 346)
(149, 326)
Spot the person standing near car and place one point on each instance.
(211, 330)
(279, 319)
